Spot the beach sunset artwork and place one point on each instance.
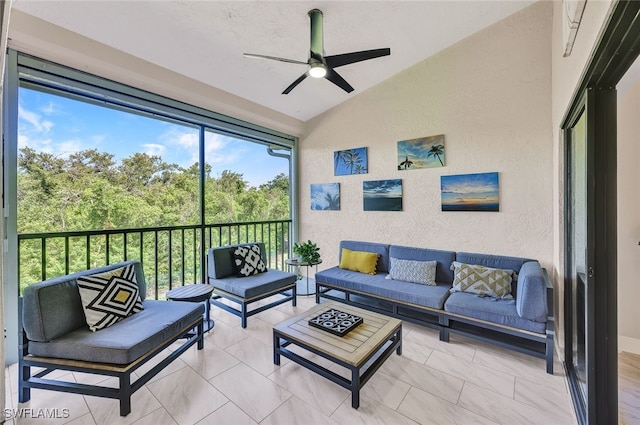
(470, 192)
(425, 152)
(382, 195)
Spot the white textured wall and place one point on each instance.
(629, 220)
(490, 96)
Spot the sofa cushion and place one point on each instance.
(408, 292)
(494, 261)
(423, 272)
(359, 261)
(444, 274)
(378, 248)
(126, 340)
(531, 299)
(248, 260)
(109, 297)
(256, 285)
(53, 308)
(500, 311)
(481, 280)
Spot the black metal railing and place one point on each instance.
(171, 255)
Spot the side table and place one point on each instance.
(196, 293)
(294, 262)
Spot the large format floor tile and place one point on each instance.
(234, 381)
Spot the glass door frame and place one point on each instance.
(615, 51)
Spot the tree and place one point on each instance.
(436, 151)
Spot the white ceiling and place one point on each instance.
(204, 40)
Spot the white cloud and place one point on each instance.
(154, 149)
(37, 124)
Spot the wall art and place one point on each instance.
(325, 196)
(470, 192)
(382, 195)
(425, 152)
(350, 161)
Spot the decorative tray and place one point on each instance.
(336, 322)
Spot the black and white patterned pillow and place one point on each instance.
(248, 260)
(109, 297)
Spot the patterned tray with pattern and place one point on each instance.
(336, 322)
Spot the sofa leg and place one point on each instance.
(125, 394)
(24, 392)
(294, 299)
(444, 334)
(549, 354)
(244, 315)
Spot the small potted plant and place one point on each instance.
(307, 252)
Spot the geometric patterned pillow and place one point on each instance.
(481, 280)
(109, 297)
(248, 260)
(413, 271)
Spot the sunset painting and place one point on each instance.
(425, 152)
(470, 192)
(382, 195)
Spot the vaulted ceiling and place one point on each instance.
(205, 40)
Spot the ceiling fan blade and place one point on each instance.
(317, 42)
(336, 79)
(295, 83)
(347, 58)
(253, 56)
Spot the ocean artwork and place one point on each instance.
(325, 196)
(425, 152)
(470, 192)
(382, 195)
(350, 161)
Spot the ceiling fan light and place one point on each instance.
(318, 71)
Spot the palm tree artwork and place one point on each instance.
(424, 152)
(350, 161)
(325, 196)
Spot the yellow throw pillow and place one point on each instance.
(359, 261)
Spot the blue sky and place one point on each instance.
(61, 126)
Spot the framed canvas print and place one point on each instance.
(325, 196)
(425, 152)
(382, 195)
(350, 161)
(470, 192)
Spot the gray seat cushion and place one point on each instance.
(126, 340)
(493, 310)
(256, 285)
(408, 292)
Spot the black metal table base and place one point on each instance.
(359, 374)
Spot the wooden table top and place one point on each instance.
(354, 347)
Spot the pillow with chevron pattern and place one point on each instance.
(248, 260)
(423, 272)
(109, 297)
(481, 280)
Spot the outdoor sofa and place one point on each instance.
(521, 320)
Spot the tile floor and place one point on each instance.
(234, 381)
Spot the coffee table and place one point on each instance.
(362, 351)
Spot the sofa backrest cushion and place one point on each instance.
(220, 261)
(444, 274)
(378, 248)
(531, 298)
(493, 261)
(53, 308)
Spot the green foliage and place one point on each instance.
(307, 251)
(89, 190)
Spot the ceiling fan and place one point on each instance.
(321, 66)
